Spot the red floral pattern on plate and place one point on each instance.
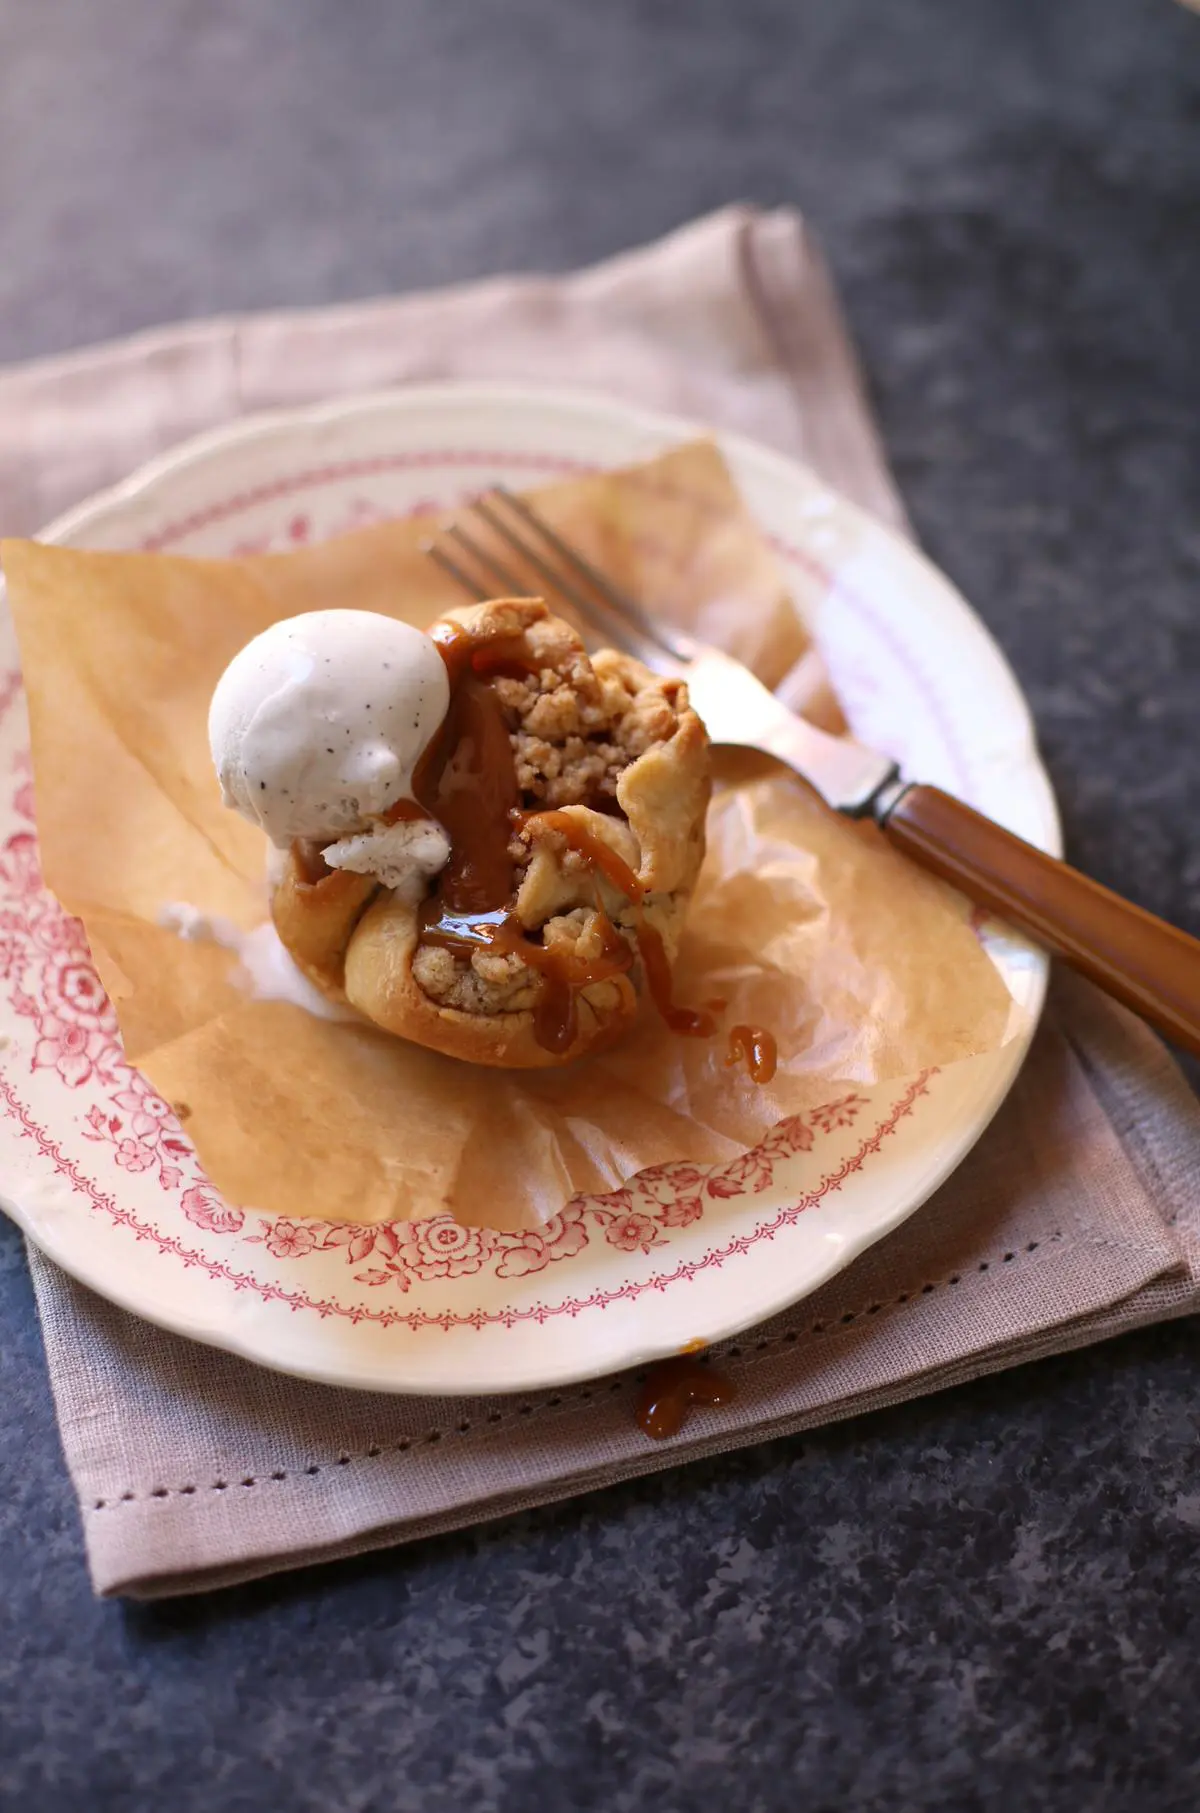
(205, 1209)
(510, 1315)
(45, 960)
(76, 1037)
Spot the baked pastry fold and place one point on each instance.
(573, 792)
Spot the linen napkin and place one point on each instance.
(1074, 1218)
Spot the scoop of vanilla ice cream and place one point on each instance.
(405, 857)
(317, 725)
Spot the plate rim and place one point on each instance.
(629, 419)
(262, 424)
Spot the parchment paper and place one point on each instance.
(865, 969)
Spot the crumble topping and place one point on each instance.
(608, 740)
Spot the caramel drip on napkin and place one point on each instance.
(670, 1391)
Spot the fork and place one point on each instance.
(1140, 960)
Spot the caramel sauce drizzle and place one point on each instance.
(310, 863)
(655, 962)
(577, 837)
(563, 973)
(693, 1023)
(672, 1388)
(758, 1047)
(475, 791)
(463, 652)
(467, 780)
(405, 811)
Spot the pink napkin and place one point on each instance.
(1074, 1218)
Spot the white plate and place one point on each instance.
(104, 1181)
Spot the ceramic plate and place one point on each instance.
(103, 1179)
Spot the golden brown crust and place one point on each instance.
(380, 982)
(315, 920)
(586, 734)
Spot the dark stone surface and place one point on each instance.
(984, 1601)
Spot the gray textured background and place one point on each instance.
(984, 1601)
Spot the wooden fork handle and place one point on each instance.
(1141, 961)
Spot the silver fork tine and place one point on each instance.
(509, 583)
(560, 583)
(460, 577)
(678, 646)
(605, 618)
(488, 564)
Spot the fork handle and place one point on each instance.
(1140, 960)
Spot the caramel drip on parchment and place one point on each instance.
(757, 1047)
